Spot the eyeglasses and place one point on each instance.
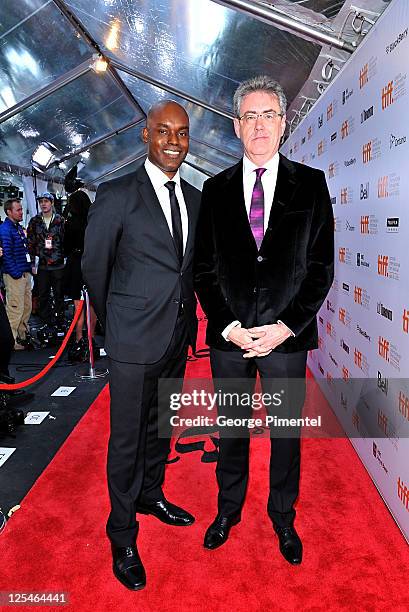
(268, 117)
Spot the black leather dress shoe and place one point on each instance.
(167, 513)
(128, 568)
(290, 544)
(219, 530)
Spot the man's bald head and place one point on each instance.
(167, 136)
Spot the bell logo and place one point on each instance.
(331, 170)
(383, 182)
(403, 493)
(344, 195)
(341, 314)
(341, 254)
(345, 373)
(358, 358)
(405, 321)
(330, 111)
(321, 147)
(363, 76)
(367, 152)
(364, 224)
(383, 348)
(383, 262)
(387, 95)
(382, 421)
(404, 405)
(358, 295)
(345, 129)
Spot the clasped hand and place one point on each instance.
(259, 341)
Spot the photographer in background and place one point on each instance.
(45, 234)
(16, 271)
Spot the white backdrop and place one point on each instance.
(358, 133)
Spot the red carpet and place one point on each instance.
(355, 558)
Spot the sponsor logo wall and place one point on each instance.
(358, 133)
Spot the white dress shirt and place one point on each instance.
(158, 180)
(268, 180)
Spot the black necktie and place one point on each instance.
(176, 219)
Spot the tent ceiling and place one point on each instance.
(194, 51)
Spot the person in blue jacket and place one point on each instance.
(16, 271)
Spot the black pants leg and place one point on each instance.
(232, 465)
(136, 455)
(57, 284)
(44, 295)
(6, 340)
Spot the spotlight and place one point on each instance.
(100, 64)
(42, 156)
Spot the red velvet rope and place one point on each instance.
(49, 365)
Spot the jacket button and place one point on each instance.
(175, 301)
(260, 258)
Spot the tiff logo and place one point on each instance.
(383, 348)
(341, 254)
(345, 373)
(403, 493)
(309, 132)
(358, 295)
(331, 170)
(321, 147)
(358, 358)
(364, 224)
(405, 321)
(383, 383)
(341, 315)
(329, 328)
(355, 419)
(345, 129)
(367, 152)
(363, 76)
(344, 195)
(387, 95)
(383, 262)
(383, 182)
(330, 111)
(404, 405)
(382, 421)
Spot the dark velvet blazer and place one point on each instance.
(288, 278)
(132, 271)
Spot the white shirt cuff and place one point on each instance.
(290, 330)
(228, 329)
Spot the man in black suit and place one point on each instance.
(137, 264)
(263, 266)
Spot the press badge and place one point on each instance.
(48, 243)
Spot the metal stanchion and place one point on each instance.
(90, 372)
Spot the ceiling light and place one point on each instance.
(42, 156)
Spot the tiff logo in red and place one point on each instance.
(404, 405)
(383, 262)
(341, 314)
(367, 152)
(383, 182)
(330, 111)
(344, 195)
(345, 373)
(403, 493)
(364, 224)
(358, 358)
(341, 254)
(382, 421)
(383, 348)
(363, 76)
(405, 321)
(331, 170)
(345, 129)
(387, 95)
(358, 295)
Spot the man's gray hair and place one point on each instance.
(259, 83)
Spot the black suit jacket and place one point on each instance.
(288, 278)
(131, 268)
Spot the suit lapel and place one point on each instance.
(237, 217)
(152, 203)
(190, 218)
(284, 192)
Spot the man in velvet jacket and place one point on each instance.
(263, 266)
(138, 266)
